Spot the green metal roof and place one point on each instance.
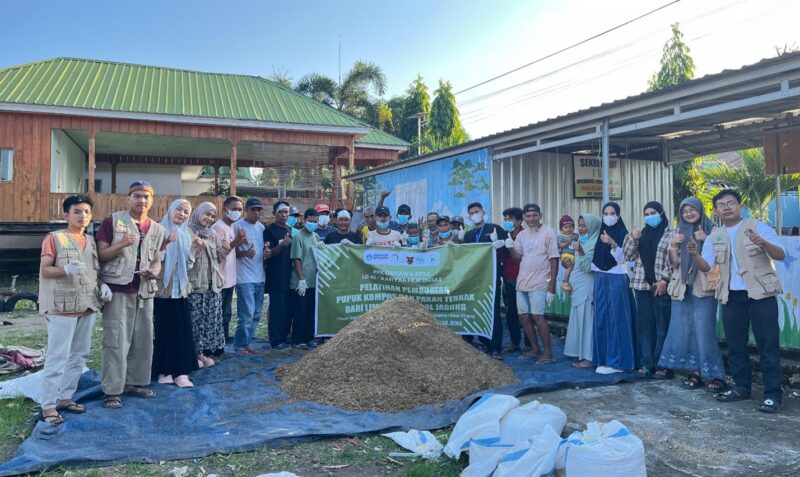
(123, 87)
(377, 137)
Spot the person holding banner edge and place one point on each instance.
(303, 281)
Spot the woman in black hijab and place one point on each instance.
(613, 312)
(651, 274)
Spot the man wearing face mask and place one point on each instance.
(278, 237)
(228, 240)
(295, 220)
(457, 226)
(303, 281)
(446, 236)
(383, 236)
(403, 219)
(486, 232)
(324, 222)
(512, 223)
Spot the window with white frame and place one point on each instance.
(6, 165)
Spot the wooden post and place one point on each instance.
(351, 165)
(92, 159)
(216, 179)
(113, 175)
(233, 167)
(336, 195)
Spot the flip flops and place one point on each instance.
(71, 407)
(111, 401)
(139, 392)
(52, 419)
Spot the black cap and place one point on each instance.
(382, 210)
(532, 208)
(404, 209)
(457, 219)
(253, 203)
(443, 218)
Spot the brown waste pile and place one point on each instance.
(395, 357)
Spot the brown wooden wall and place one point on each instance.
(27, 198)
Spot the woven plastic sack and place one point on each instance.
(604, 450)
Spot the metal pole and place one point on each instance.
(778, 201)
(419, 135)
(604, 152)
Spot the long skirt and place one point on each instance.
(691, 343)
(580, 332)
(173, 345)
(206, 311)
(613, 322)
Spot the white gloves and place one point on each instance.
(550, 298)
(509, 243)
(346, 242)
(74, 269)
(302, 286)
(404, 238)
(451, 244)
(460, 235)
(396, 244)
(320, 244)
(493, 235)
(105, 293)
(497, 244)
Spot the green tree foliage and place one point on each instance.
(353, 95)
(445, 125)
(750, 180)
(677, 66)
(281, 77)
(418, 100)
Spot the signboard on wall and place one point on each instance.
(588, 173)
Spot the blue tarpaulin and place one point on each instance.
(238, 406)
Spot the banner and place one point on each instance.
(456, 284)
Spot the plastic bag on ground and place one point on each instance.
(531, 458)
(481, 423)
(420, 443)
(602, 450)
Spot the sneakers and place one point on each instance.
(608, 370)
(281, 346)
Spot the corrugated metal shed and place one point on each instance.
(129, 88)
(547, 179)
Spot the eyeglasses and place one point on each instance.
(727, 205)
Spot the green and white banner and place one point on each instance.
(456, 284)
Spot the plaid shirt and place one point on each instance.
(663, 268)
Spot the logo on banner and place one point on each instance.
(397, 258)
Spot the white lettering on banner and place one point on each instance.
(400, 258)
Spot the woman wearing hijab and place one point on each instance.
(205, 277)
(651, 274)
(613, 302)
(580, 330)
(174, 355)
(691, 342)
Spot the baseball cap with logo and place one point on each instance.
(320, 208)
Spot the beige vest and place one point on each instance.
(755, 266)
(70, 294)
(705, 284)
(119, 270)
(206, 274)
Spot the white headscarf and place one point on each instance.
(178, 252)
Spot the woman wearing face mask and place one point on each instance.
(651, 275)
(174, 355)
(691, 342)
(613, 303)
(581, 316)
(205, 277)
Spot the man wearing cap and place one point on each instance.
(128, 245)
(431, 226)
(457, 226)
(278, 237)
(486, 232)
(227, 243)
(342, 234)
(536, 247)
(295, 220)
(445, 236)
(250, 258)
(324, 222)
(383, 236)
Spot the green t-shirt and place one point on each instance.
(303, 245)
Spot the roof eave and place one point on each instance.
(173, 118)
(382, 146)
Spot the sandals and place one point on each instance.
(694, 382)
(530, 355)
(207, 362)
(139, 392)
(663, 374)
(112, 401)
(511, 349)
(52, 419)
(733, 396)
(770, 406)
(70, 406)
(716, 386)
(550, 360)
(496, 355)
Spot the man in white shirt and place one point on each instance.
(744, 250)
(228, 241)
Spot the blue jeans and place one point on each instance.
(249, 305)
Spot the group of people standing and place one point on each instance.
(166, 288)
(661, 316)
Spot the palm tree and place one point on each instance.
(750, 180)
(352, 96)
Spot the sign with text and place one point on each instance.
(456, 284)
(589, 177)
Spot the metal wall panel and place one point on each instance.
(547, 179)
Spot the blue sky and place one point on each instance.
(463, 41)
